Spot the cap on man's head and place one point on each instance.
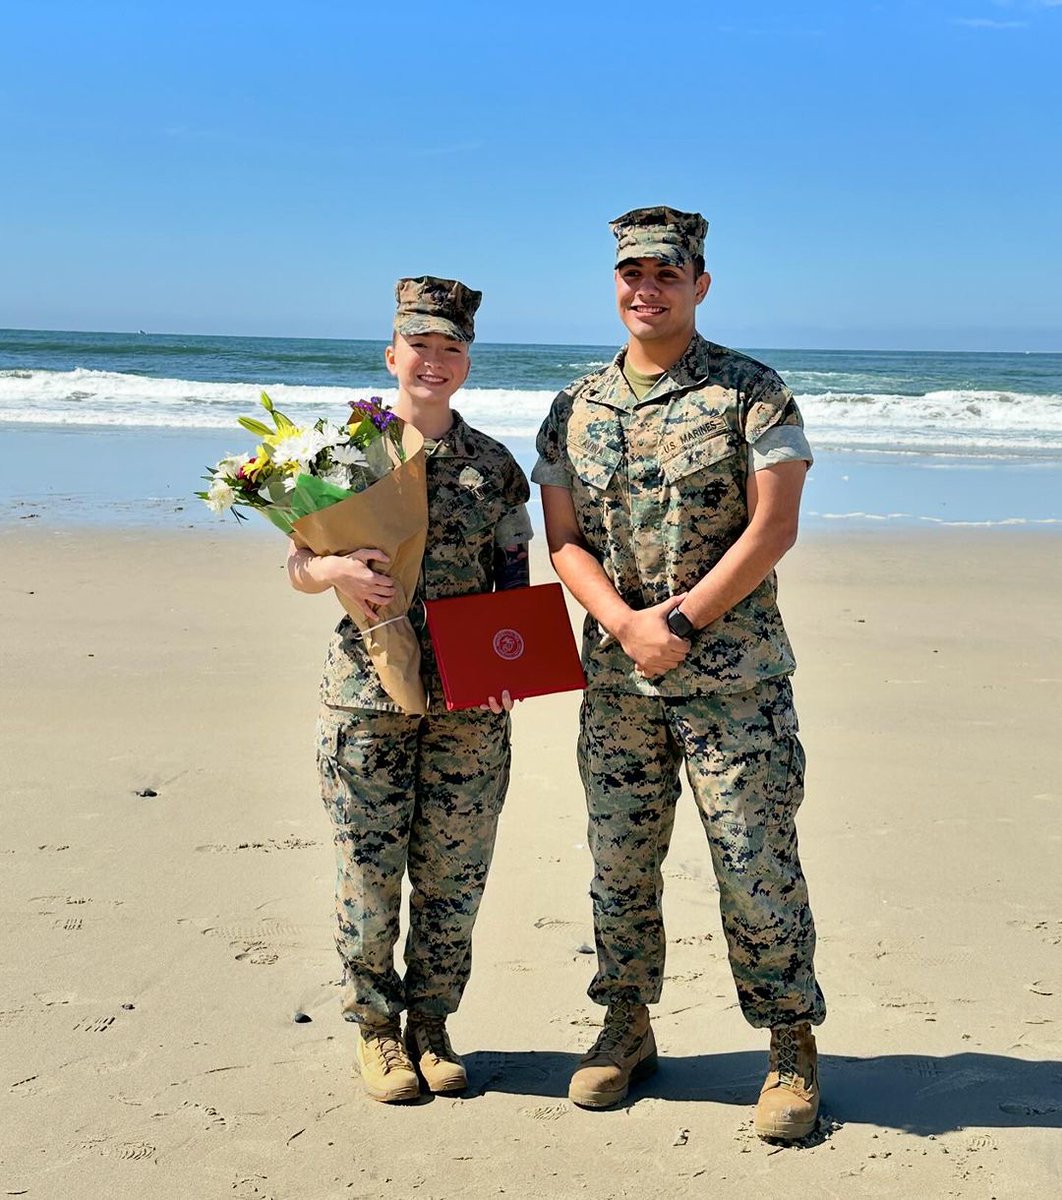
(430, 305)
(660, 232)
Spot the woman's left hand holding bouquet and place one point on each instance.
(350, 574)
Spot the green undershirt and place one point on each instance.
(641, 385)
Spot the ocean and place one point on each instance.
(118, 428)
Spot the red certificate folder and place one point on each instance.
(518, 640)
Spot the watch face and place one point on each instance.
(679, 624)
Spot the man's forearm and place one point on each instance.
(585, 578)
(738, 573)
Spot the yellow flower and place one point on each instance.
(255, 466)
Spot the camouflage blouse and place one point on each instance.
(659, 488)
(477, 496)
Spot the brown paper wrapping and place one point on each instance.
(390, 515)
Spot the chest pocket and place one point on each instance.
(464, 511)
(595, 463)
(716, 454)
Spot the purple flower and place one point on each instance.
(373, 409)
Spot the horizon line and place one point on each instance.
(265, 337)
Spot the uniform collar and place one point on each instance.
(691, 370)
(456, 442)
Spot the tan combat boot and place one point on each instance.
(385, 1068)
(625, 1051)
(429, 1047)
(789, 1102)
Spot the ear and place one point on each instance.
(468, 367)
(700, 288)
(389, 359)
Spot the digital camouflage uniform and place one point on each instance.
(659, 490)
(420, 794)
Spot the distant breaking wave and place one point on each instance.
(965, 422)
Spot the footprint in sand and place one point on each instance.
(546, 1112)
(127, 1151)
(254, 931)
(48, 999)
(981, 1141)
(96, 1025)
(251, 1187)
(258, 954)
(924, 1068)
(131, 1151)
(1048, 931)
(205, 1113)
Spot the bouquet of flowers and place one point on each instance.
(299, 471)
(337, 488)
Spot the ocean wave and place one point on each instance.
(89, 397)
(957, 421)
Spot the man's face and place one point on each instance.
(656, 300)
(428, 366)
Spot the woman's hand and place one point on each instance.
(496, 706)
(351, 575)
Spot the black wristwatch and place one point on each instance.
(679, 624)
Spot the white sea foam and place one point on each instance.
(952, 422)
(85, 397)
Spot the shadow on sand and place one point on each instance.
(919, 1094)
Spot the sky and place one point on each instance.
(875, 175)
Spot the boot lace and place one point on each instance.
(389, 1046)
(432, 1034)
(786, 1049)
(615, 1030)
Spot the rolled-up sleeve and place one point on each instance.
(780, 443)
(514, 528)
(552, 467)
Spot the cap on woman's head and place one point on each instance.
(660, 232)
(431, 305)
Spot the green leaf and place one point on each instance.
(378, 459)
(253, 426)
(282, 520)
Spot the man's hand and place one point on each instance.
(499, 706)
(646, 639)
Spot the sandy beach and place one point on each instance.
(167, 899)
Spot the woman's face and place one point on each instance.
(429, 367)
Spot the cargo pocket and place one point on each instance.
(330, 723)
(785, 783)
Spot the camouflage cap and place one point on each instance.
(431, 305)
(661, 232)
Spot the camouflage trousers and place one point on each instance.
(416, 795)
(745, 767)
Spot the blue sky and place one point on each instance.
(875, 174)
